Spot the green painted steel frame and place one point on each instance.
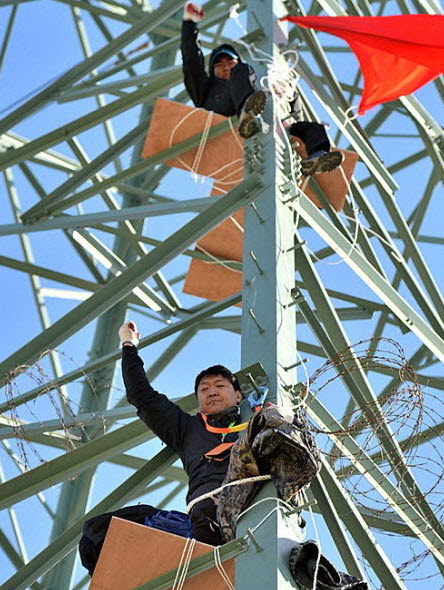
(324, 320)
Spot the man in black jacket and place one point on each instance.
(229, 89)
(202, 441)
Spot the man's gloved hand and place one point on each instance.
(128, 333)
(193, 12)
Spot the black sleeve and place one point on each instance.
(164, 417)
(193, 63)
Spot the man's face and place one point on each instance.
(223, 66)
(216, 394)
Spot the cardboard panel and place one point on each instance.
(173, 122)
(215, 282)
(221, 158)
(133, 554)
(211, 281)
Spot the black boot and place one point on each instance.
(254, 105)
(320, 162)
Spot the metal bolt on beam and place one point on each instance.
(253, 317)
(254, 259)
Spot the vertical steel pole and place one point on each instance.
(268, 316)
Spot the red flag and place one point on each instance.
(397, 54)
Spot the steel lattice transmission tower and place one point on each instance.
(91, 232)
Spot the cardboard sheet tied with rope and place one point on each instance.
(215, 272)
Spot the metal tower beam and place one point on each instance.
(268, 318)
(84, 198)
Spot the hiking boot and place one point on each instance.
(320, 162)
(254, 105)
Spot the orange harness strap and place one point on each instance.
(220, 449)
(216, 430)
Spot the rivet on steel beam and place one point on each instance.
(250, 535)
(297, 295)
(253, 206)
(302, 361)
(297, 246)
(254, 259)
(253, 317)
(255, 386)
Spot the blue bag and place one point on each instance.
(173, 521)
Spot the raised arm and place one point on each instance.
(193, 63)
(164, 417)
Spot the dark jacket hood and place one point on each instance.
(218, 49)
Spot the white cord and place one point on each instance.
(281, 505)
(227, 485)
(348, 119)
(193, 169)
(172, 138)
(184, 564)
(356, 220)
(394, 253)
(278, 500)
(221, 569)
(203, 140)
(216, 260)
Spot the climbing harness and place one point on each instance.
(227, 430)
(220, 452)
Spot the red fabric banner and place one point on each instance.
(397, 54)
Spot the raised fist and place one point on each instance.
(128, 333)
(193, 12)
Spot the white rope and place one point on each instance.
(184, 564)
(394, 252)
(278, 507)
(227, 485)
(281, 505)
(217, 261)
(224, 179)
(202, 144)
(235, 133)
(203, 140)
(348, 119)
(221, 569)
(281, 82)
(172, 138)
(356, 220)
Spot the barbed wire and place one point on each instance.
(405, 417)
(72, 431)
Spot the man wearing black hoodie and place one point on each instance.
(202, 441)
(228, 89)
